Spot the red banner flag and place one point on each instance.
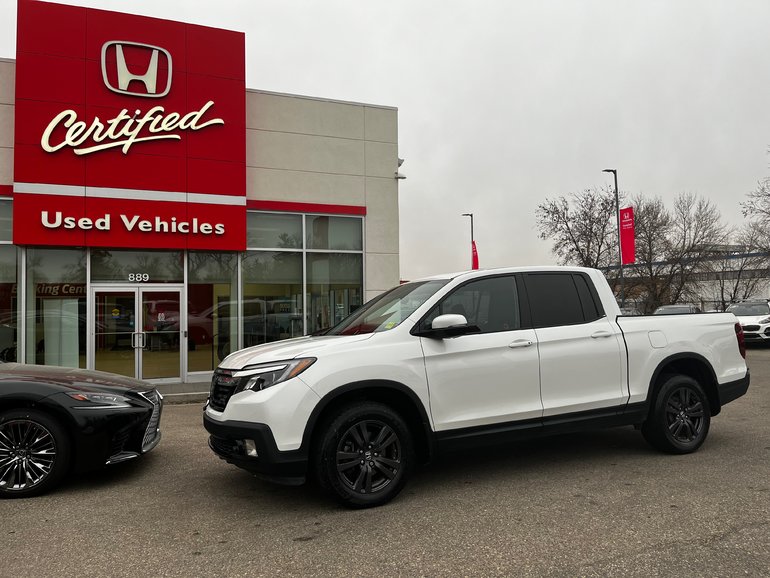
(474, 256)
(627, 236)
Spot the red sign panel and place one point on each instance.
(627, 236)
(129, 132)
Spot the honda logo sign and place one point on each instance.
(97, 165)
(121, 78)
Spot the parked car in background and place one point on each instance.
(55, 420)
(75, 325)
(754, 317)
(629, 311)
(263, 320)
(679, 309)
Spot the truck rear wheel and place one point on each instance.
(680, 418)
(366, 454)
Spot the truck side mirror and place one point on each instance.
(449, 325)
(448, 320)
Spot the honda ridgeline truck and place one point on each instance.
(463, 359)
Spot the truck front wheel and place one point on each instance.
(365, 455)
(680, 419)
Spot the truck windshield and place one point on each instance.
(389, 309)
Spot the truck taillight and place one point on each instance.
(741, 340)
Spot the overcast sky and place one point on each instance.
(504, 104)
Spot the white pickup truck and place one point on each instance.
(464, 359)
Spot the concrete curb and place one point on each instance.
(192, 397)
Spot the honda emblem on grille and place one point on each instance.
(120, 79)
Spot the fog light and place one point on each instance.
(251, 448)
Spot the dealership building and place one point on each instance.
(156, 214)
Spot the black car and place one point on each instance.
(55, 420)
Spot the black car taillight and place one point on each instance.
(741, 340)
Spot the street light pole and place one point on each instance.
(620, 249)
(471, 216)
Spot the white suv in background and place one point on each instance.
(754, 317)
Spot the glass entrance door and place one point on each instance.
(137, 332)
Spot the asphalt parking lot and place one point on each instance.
(595, 504)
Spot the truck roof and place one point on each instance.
(520, 269)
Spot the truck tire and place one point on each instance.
(34, 453)
(680, 417)
(365, 455)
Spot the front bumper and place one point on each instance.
(104, 435)
(227, 440)
(754, 333)
(732, 390)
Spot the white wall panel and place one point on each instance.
(7, 82)
(304, 187)
(298, 152)
(381, 159)
(286, 113)
(6, 125)
(381, 124)
(381, 215)
(6, 166)
(381, 271)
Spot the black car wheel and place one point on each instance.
(679, 422)
(366, 455)
(34, 453)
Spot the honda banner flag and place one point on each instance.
(627, 236)
(474, 256)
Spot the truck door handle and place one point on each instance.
(600, 334)
(520, 343)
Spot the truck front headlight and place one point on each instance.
(264, 375)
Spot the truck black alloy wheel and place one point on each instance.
(366, 455)
(684, 415)
(681, 417)
(33, 453)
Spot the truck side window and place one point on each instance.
(553, 299)
(490, 303)
(591, 306)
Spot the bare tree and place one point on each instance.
(581, 226)
(757, 204)
(672, 247)
(739, 270)
(670, 244)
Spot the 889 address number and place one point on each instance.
(138, 276)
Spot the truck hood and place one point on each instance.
(288, 349)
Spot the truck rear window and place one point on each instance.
(560, 299)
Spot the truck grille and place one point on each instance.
(151, 433)
(222, 388)
(223, 446)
